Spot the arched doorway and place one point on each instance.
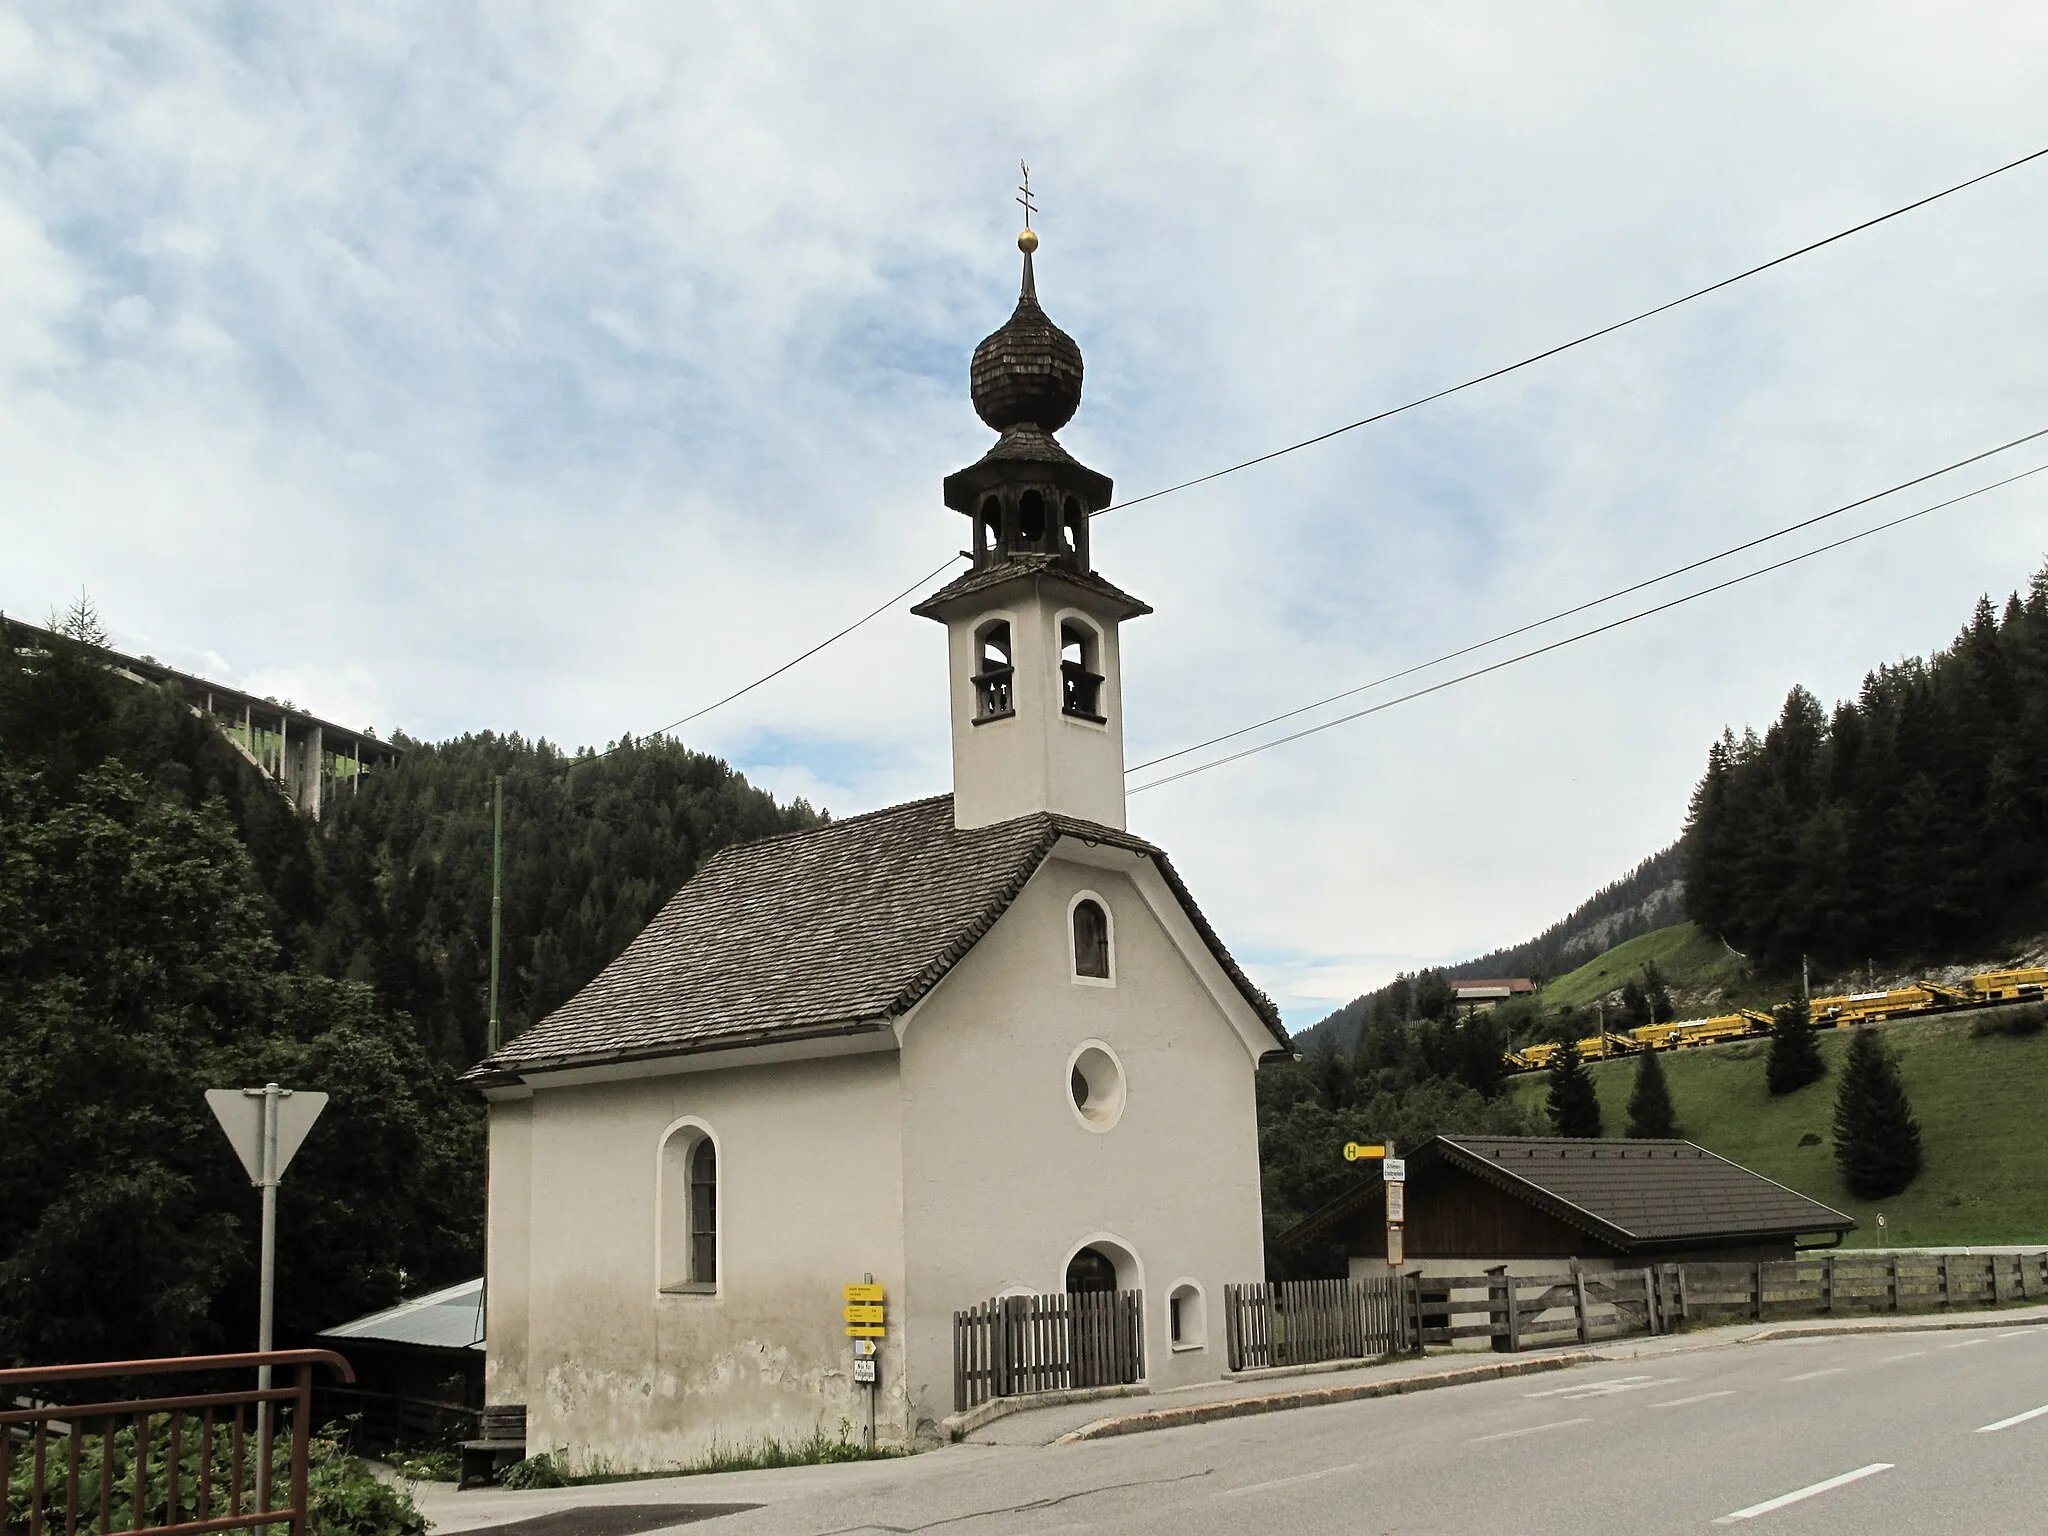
(1090, 1272)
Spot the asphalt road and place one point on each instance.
(1869, 1434)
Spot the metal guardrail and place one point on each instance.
(93, 1464)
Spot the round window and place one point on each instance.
(1095, 1079)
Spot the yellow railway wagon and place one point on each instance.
(2029, 985)
(1872, 1007)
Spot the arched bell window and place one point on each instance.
(1080, 671)
(988, 532)
(1074, 525)
(1031, 520)
(995, 696)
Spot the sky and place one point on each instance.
(558, 369)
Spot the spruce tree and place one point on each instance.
(1795, 1051)
(1877, 1140)
(1650, 1115)
(1574, 1107)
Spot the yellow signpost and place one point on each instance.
(864, 1314)
(864, 1325)
(1357, 1151)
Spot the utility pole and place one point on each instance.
(497, 899)
(1805, 982)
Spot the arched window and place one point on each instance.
(1089, 1271)
(1080, 671)
(1091, 939)
(994, 676)
(1074, 520)
(988, 532)
(1031, 520)
(689, 1211)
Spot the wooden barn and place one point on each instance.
(1476, 1202)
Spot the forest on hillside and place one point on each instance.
(1909, 825)
(168, 924)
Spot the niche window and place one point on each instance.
(689, 1215)
(1091, 940)
(1080, 671)
(1186, 1325)
(994, 677)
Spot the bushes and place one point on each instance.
(2017, 1023)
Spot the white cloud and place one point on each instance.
(560, 372)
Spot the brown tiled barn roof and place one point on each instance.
(832, 930)
(1631, 1194)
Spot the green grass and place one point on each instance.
(1978, 1101)
(1688, 959)
(555, 1469)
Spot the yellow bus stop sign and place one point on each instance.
(1354, 1151)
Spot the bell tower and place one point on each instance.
(1032, 652)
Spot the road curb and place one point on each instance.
(957, 1426)
(1315, 1397)
(1903, 1325)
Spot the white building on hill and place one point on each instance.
(975, 1045)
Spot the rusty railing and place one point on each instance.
(72, 1481)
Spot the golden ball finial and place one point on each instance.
(1028, 241)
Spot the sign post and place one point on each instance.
(1394, 1174)
(865, 1326)
(266, 1126)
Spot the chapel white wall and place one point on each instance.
(1002, 1180)
(508, 1208)
(810, 1198)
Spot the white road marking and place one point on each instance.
(1299, 1477)
(2019, 1333)
(1697, 1397)
(1965, 1343)
(1807, 1492)
(1911, 1354)
(1533, 1429)
(2018, 1418)
(1613, 1384)
(1831, 1370)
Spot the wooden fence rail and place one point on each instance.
(1300, 1322)
(1013, 1345)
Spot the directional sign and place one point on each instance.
(1354, 1151)
(1397, 1207)
(863, 1348)
(863, 1314)
(1394, 1170)
(240, 1113)
(872, 1293)
(866, 1331)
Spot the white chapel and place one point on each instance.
(975, 1046)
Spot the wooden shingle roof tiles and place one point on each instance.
(832, 930)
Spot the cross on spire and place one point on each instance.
(1029, 207)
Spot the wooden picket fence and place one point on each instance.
(1300, 1322)
(1010, 1346)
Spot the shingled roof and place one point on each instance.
(833, 930)
(1633, 1195)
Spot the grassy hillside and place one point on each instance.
(1978, 1103)
(1692, 964)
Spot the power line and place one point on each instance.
(1366, 421)
(1579, 341)
(768, 677)
(1509, 634)
(1676, 602)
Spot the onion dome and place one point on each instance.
(1029, 371)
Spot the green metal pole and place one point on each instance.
(497, 893)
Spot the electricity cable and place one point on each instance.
(1676, 602)
(1419, 401)
(768, 677)
(1580, 341)
(1566, 613)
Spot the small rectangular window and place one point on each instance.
(1173, 1318)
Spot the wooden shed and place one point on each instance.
(1480, 1201)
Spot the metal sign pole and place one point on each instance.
(266, 1304)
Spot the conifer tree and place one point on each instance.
(1574, 1107)
(1795, 1052)
(1877, 1140)
(1650, 1115)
